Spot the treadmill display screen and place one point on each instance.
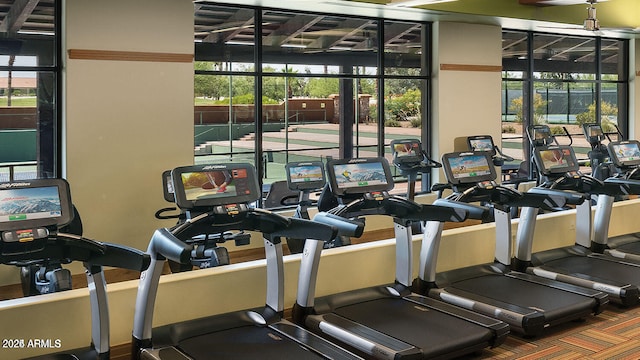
(212, 185)
(468, 167)
(359, 176)
(625, 153)
(305, 175)
(541, 133)
(481, 143)
(554, 160)
(594, 131)
(407, 150)
(34, 203)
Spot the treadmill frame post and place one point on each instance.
(584, 223)
(308, 276)
(99, 309)
(147, 293)
(601, 221)
(524, 237)
(504, 248)
(431, 238)
(275, 275)
(404, 252)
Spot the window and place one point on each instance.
(275, 86)
(573, 80)
(29, 96)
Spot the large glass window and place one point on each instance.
(562, 81)
(314, 81)
(29, 59)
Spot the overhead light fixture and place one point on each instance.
(297, 46)
(412, 3)
(236, 42)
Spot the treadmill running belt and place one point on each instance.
(555, 303)
(249, 342)
(631, 248)
(434, 332)
(598, 268)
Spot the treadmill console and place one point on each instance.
(359, 176)
(624, 154)
(28, 208)
(554, 160)
(228, 186)
(482, 143)
(406, 151)
(167, 187)
(540, 135)
(473, 167)
(593, 133)
(305, 175)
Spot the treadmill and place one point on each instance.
(31, 214)
(304, 178)
(576, 264)
(387, 321)
(259, 333)
(625, 156)
(527, 303)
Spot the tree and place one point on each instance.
(539, 107)
(322, 87)
(608, 116)
(404, 106)
(212, 86)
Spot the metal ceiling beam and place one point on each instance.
(290, 29)
(17, 15)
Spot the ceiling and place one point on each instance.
(618, 18)
(37, 15)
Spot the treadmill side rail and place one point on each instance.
(363, 338)
(312, 341)
(498, 327)
(626, 295)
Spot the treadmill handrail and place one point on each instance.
(501, 195)
(94, 255)
(168, 244)
(401, 208)
(70, 247)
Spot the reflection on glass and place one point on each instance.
(318, 44)
(224, 116)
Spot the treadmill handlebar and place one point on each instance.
(475, 212)
(304, 229)
(122, 257)
(558, 198)
(621, 186)
(580, 182)
(346, 227)
(65, 248)
(172, 243)
(216, 222)
(504, 196)
(401, 208)
(165, 243)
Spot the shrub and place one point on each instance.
(392, 123)
(557, 130)
(416, 122)
(539, 106)
(608, 114)
(508, 129)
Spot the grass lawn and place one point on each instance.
(27, 101)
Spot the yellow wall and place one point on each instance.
(465, 102)
(195, 294)
(124, 121)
